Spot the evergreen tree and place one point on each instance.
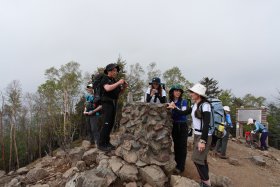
(212, 89)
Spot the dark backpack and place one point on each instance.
(96, 84)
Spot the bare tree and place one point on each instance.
(67, 80)
(152, 71)
(2, 130)
(14, 105)
(136, 83)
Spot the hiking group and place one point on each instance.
(211, 122)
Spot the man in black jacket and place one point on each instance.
(110, 93)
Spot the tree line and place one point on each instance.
(34, 124)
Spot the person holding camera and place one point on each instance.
(110, 93)
(155, 93)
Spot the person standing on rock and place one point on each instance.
(110, 93)
(259, 128)
(221, 146)
(201, 116)
(92, 112)
(155, 93)
(180, 128)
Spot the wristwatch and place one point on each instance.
(202, 141)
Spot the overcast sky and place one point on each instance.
(236, 42)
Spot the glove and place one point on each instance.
(252, 132)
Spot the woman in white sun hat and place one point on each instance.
(201, 115)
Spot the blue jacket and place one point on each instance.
(260, 127)
(228, 120)
(176, 116)
(89, 103)
(89, 97)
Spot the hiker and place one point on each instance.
(259, 128)
(155, 93)
(110, 93)
(201, 116)
(92, 112)
(221, 146)
(180, 127)
(88, 98)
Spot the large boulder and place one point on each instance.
(128, 173)
(87, 179)
(86, 145)
(179, 181)
(76, 154)
(153, 175)
(36, 174)
(70, 172)
(115, 164)
(90, 156)
(2, 173)
(258, 160)
(222, 181)
(22, 171)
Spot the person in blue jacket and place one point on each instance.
(180, 127)
(259, 128)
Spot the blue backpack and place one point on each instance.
(217, 121)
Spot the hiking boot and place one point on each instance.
(104, 148)
(223, 156)
(202, 184)
(111, 146)
(177, 171)
(216, 154)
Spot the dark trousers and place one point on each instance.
(109, 112)
(221, 145)
(85, 131)
(180, 137)
(263, 139)
(203, 171)
(94, 129)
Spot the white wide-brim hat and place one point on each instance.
(226, 108)
(199, 89)
(250, 121)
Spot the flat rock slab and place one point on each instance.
(258, 160)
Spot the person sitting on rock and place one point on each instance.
(155, 93)
(180, 127)
(259, 128)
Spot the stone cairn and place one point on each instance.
(145, 135)
(143, 157)
(145, 140)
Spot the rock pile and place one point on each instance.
(143, 157)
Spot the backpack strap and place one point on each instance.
(212, 117)
(198, 106)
